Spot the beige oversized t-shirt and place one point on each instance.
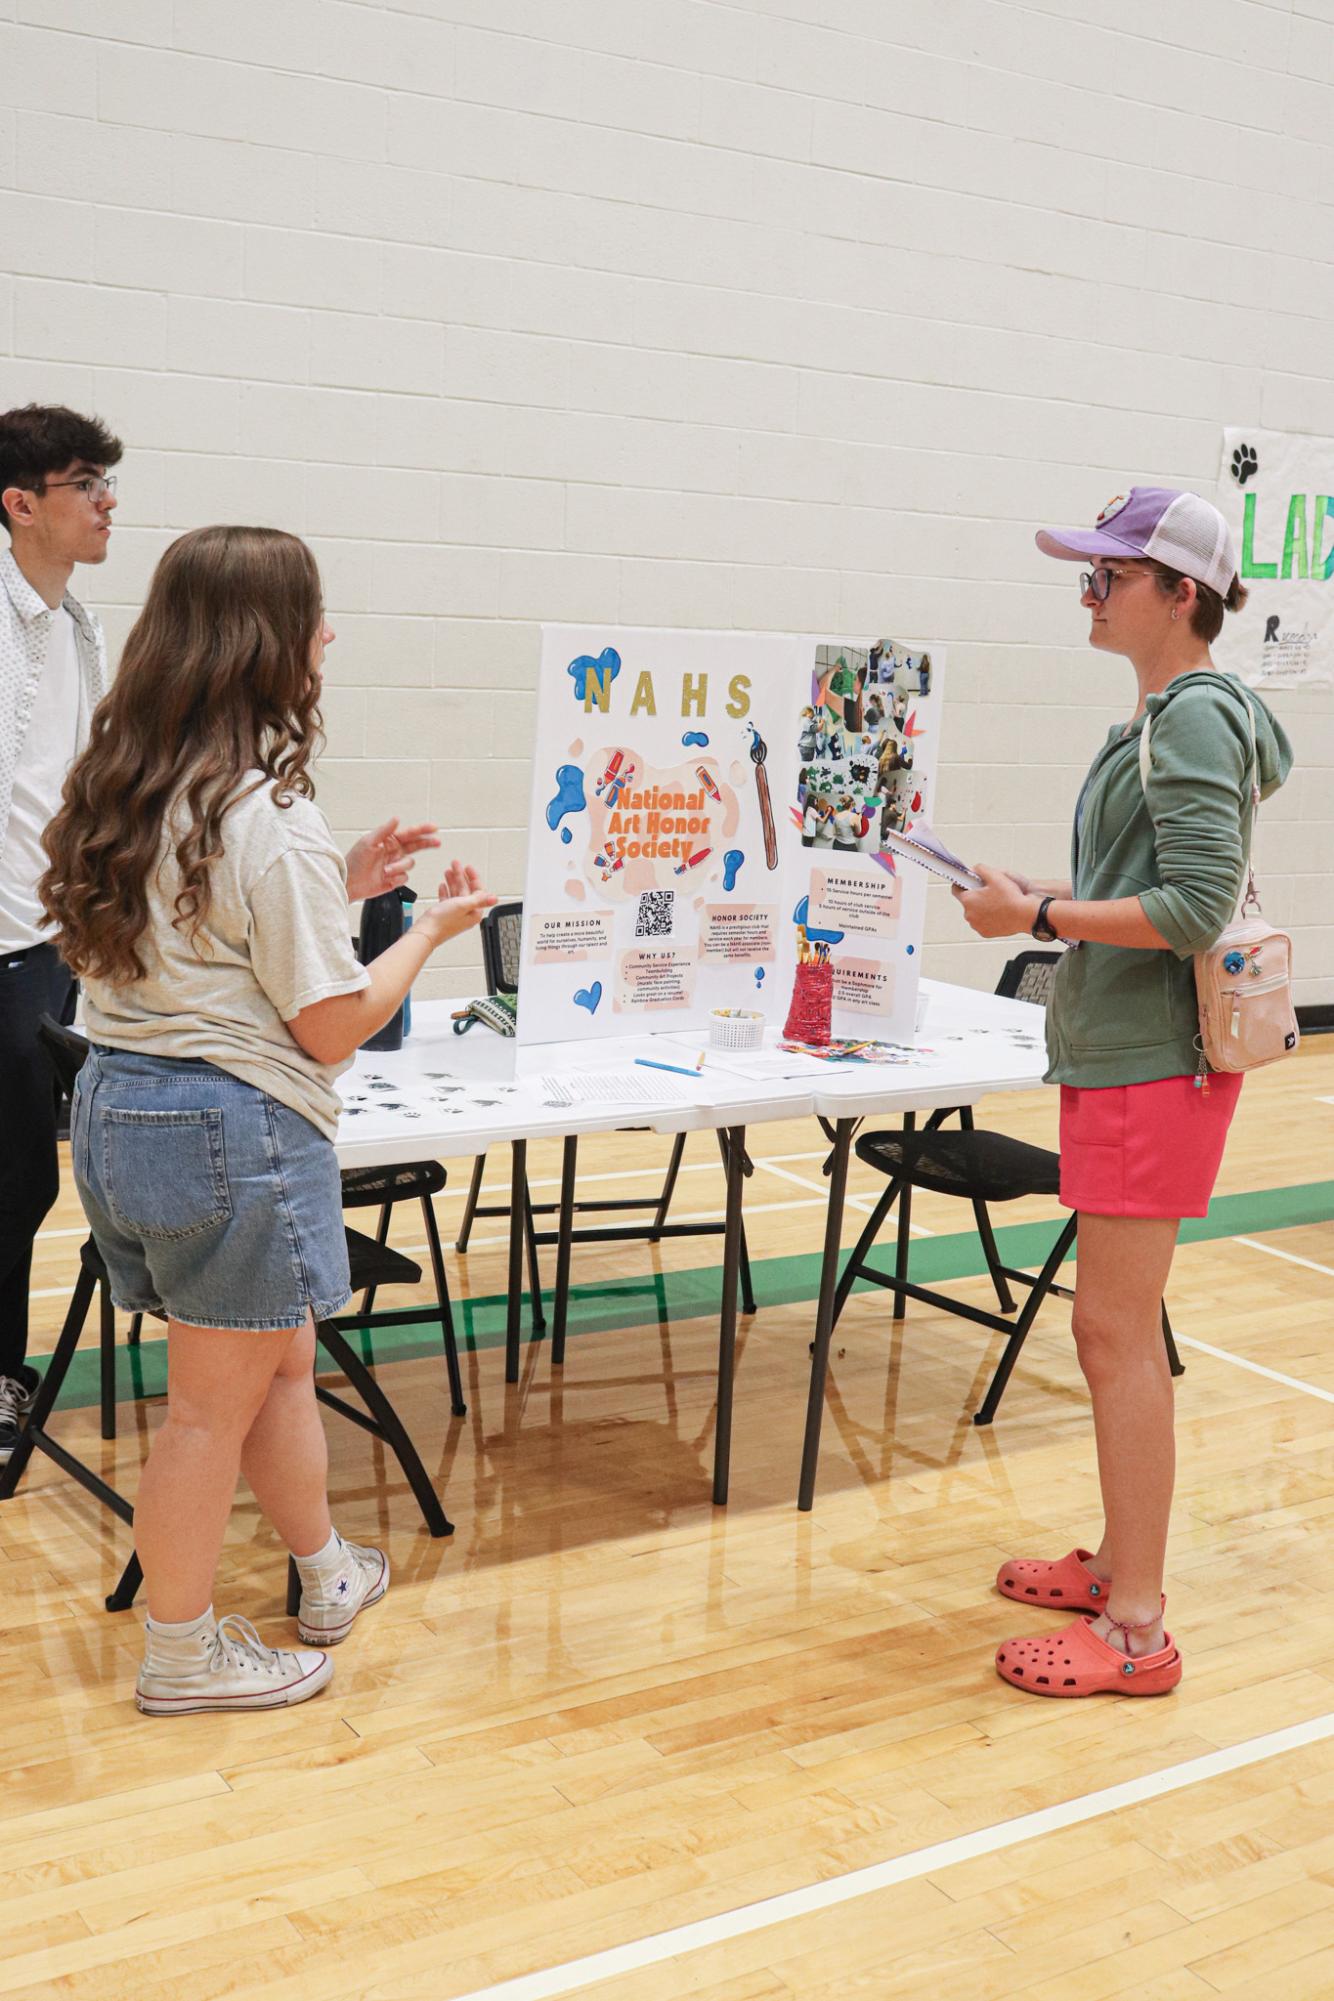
(275, 941)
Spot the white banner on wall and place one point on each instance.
(1277, 490)
(698, 796)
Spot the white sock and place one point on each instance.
(183, 1641)
(323, 1562)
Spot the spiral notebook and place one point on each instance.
(925, 847)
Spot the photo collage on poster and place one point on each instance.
(857, 776)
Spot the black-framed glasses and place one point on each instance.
(92, 486)
(1096, 583)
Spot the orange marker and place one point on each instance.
(706, 780)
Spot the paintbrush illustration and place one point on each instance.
(759, 750)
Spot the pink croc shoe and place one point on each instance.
(1074, 1661)
(1068, 1585)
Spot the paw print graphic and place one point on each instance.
(1245, 464)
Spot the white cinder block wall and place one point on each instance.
(786, 313)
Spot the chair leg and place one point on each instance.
(668, 1189)
(564, 1242)
(905, 1233)
(1015, 1340)
(733, 1154)
(456, 1402)
(824, 1312)
(1174, 1361)
(739, 1163)
(381, 1238)
(136, 1330)
(395, 1436)
(127, 1590)
(539, 1317)
(53, 1378)
(852, 1269)
(107, 1359)
(747, 1289)
(1004, 1296)
(470, 1206)
(293, 1588)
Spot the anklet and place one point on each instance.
(1120, 1626)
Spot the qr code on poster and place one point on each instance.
(655, 914)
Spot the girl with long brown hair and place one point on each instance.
(198, 893)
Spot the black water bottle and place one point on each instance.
(383, 922)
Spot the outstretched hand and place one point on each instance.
(382, 860)
(461, 902)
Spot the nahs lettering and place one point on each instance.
(657, 824)
(644, 702)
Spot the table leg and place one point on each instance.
(518, 1222)
(733, 1154)
(560, 1312)
(824, 1319)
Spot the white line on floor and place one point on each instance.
(863, 1202)
(618, 1961)
(1289, 1257)
(1255, 1368)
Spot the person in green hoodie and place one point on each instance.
(1156, 870)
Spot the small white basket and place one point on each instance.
(735, 1028)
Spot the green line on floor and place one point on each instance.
(693, 1294)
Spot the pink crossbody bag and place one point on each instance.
(1244, 980)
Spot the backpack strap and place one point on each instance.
(1145, 762)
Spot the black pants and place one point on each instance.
(31, 984)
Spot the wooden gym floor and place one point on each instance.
(604, 1712)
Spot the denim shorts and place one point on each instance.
(208, 1199)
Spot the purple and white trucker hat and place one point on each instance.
(1179, 529)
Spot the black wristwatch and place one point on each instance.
(1042, 929)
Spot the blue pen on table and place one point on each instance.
(648, 1063)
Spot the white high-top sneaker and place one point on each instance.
(332, 1596)
(228, 1667)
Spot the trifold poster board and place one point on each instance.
(699, 795)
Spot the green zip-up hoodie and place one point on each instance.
(1119, 1015)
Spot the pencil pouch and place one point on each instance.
(497, 1011)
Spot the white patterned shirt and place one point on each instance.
(26, 623)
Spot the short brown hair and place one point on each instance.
(42, 438)
(1206, 617)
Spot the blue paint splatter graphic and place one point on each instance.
(759, 976)
(569, 797)
(800, 916)
(911, 950)
(605, 668)
(566, 836)
(695, 736)
(589, 997)
(732, 861)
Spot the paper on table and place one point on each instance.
(611, 1087)
(763, 1066)
(926, 848)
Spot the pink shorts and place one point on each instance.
(1145, 1149)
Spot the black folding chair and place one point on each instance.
(372, 1264)
(980, 1168)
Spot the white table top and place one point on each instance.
(445, 1095)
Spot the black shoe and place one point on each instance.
(17, 1396)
